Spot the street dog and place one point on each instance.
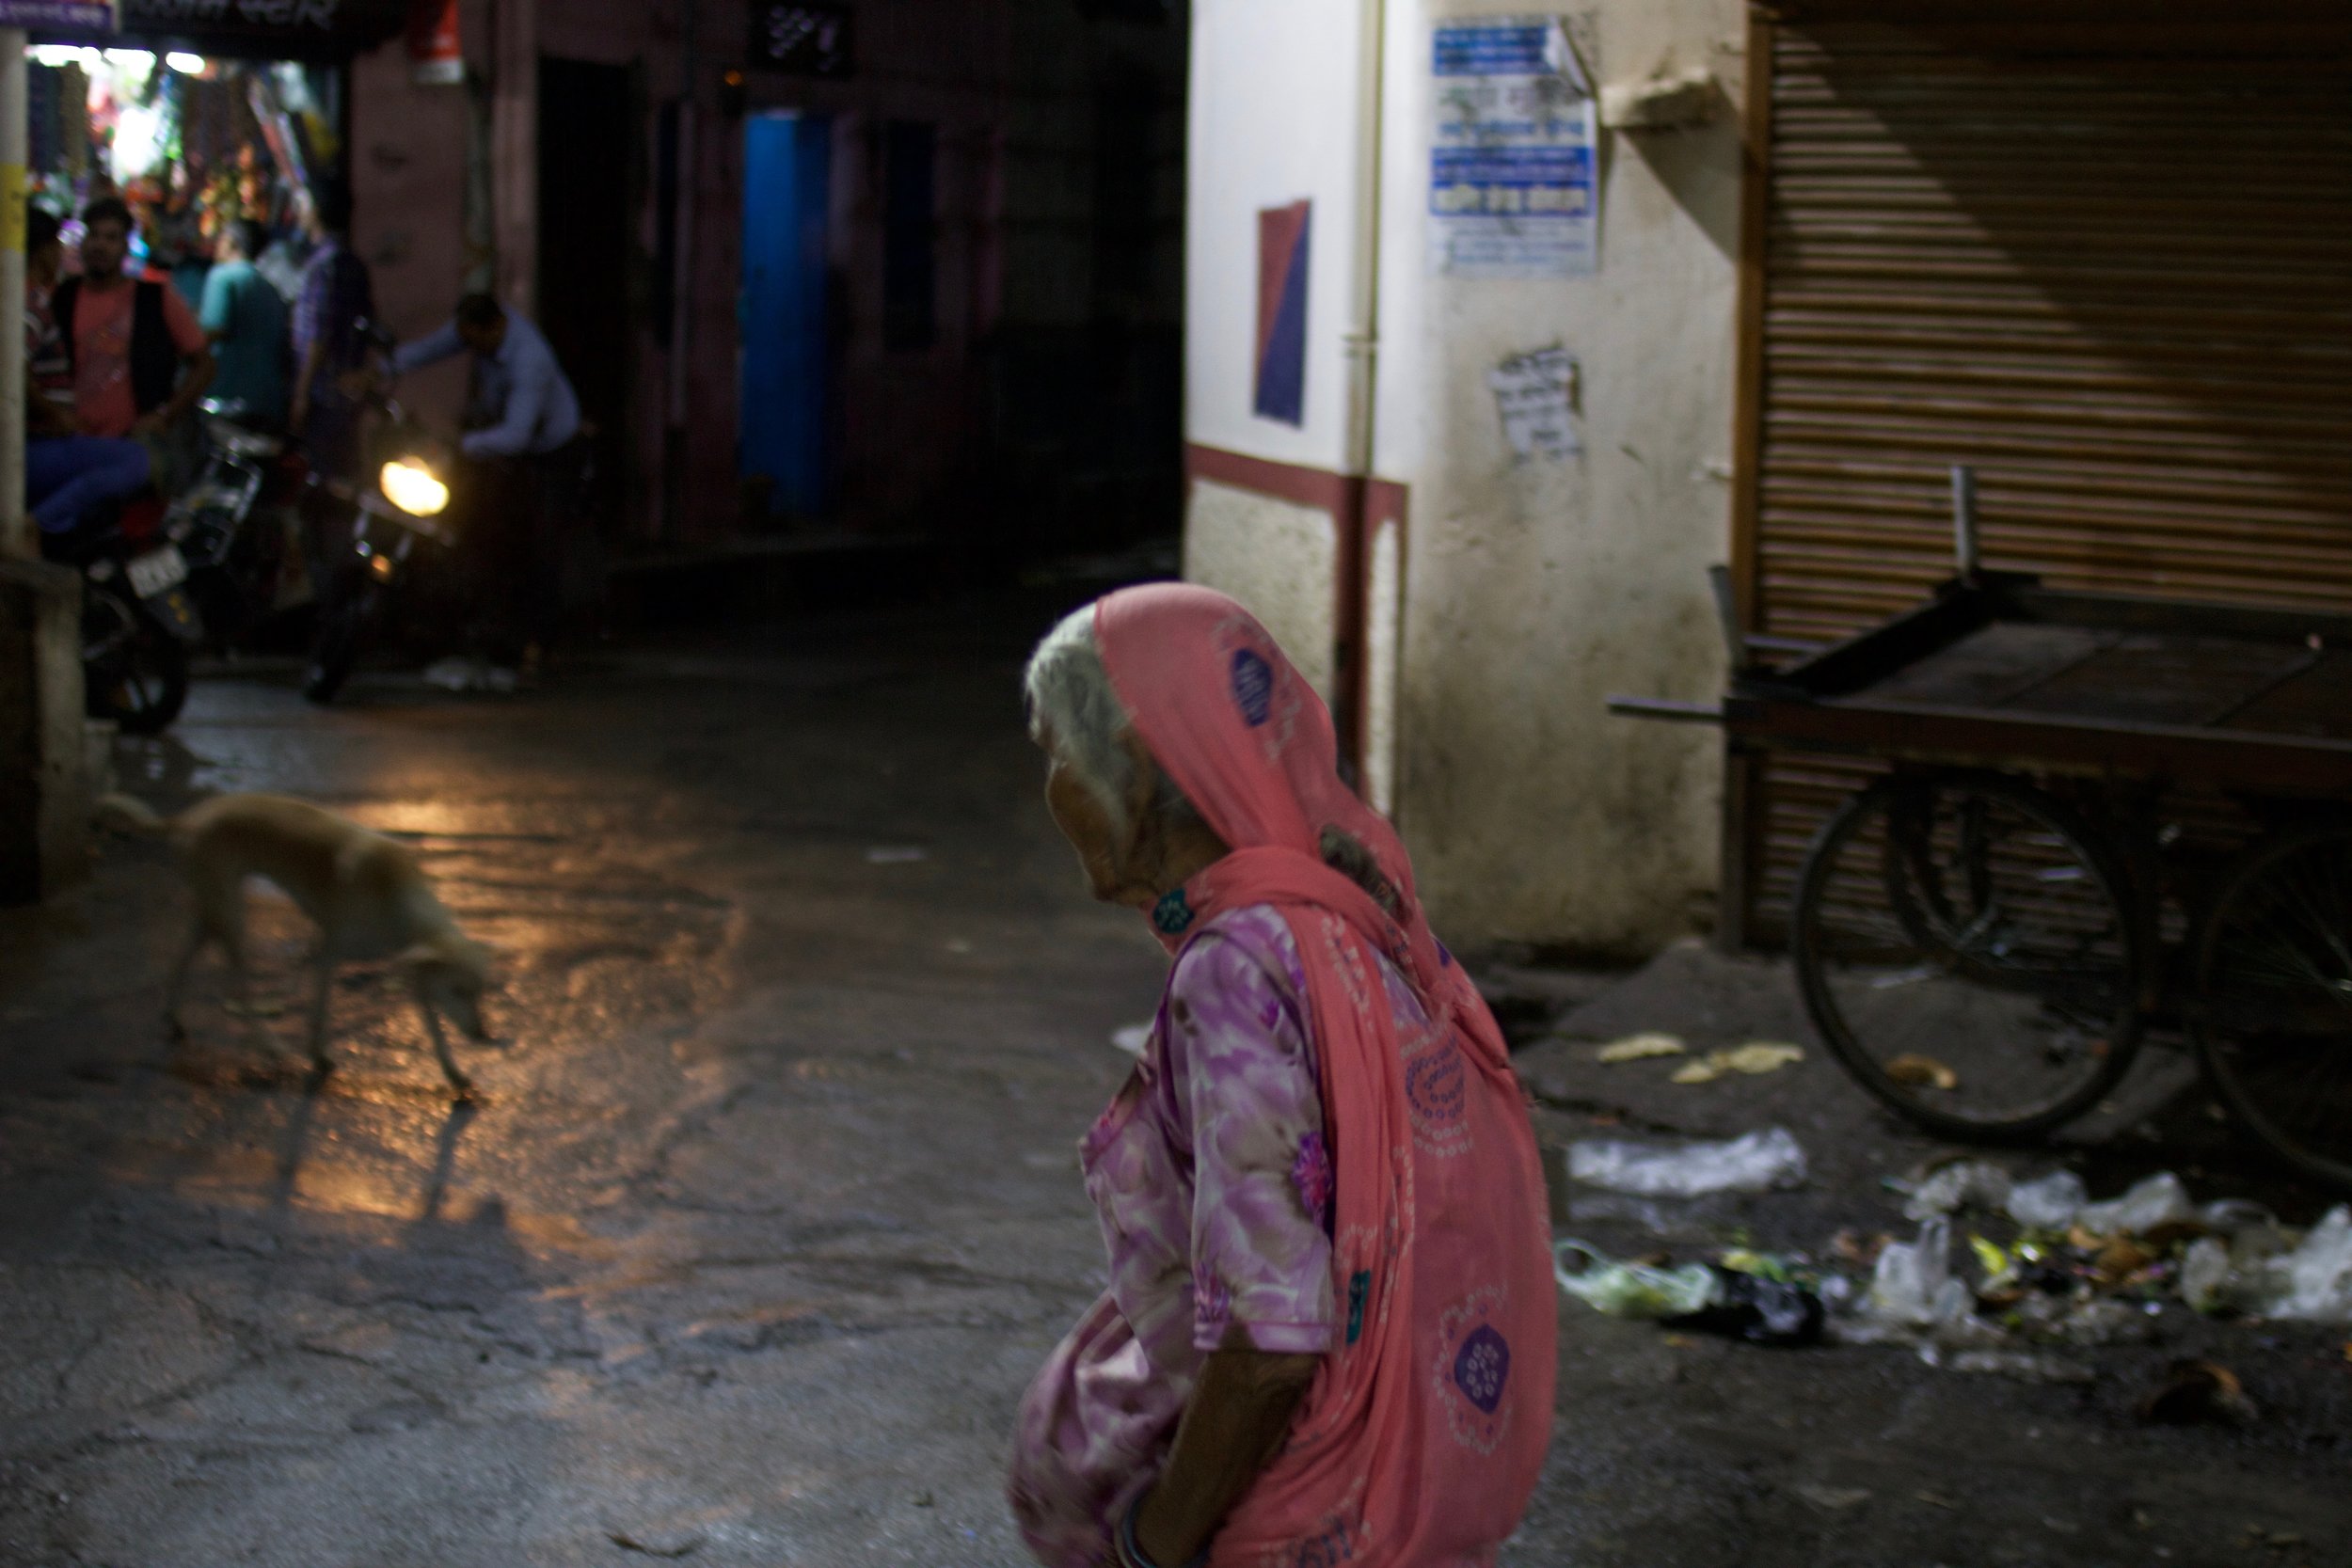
(364, 892)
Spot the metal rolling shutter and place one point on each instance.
(2109, 265)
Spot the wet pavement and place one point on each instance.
(770, 1205)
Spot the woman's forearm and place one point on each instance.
(1238, 1416)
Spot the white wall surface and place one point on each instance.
(1275, 85)
(1277, 559)
(1531, 588)
(1537, 587)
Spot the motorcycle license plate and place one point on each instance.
(158, 570)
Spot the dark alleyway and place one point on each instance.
(770, 1206)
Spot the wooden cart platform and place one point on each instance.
(2001, 672)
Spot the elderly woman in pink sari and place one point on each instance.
(1329, 1331)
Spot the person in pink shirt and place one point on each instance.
(141, 362)
(1329, 1331)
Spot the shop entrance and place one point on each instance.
(787, 165)
(584, 150)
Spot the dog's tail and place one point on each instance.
(124, 815)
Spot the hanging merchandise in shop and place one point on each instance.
(801, 39)
(437, 52)
(1511, 187)
(190, 142)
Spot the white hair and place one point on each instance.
(1074, 708)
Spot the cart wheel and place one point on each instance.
(1968, 948)
(2273, 1000)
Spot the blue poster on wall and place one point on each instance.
(1511, 189)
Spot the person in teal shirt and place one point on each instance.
(244, 316)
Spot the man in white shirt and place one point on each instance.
(521, 404)
(522, 431)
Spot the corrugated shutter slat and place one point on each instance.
(2116, 280)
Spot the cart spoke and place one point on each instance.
(2273, 1010)
(1966, 951)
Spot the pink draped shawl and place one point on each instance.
(1425, 1431)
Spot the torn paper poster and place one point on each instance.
(1511, 186)
(1534, 395)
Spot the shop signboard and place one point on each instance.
(266, 28)
(802, 38)
(87, 16)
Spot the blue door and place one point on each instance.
(787, 165)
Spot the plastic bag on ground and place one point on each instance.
(2205, 1275)
(2158, 1200)
(1964, 1183)
(1704, 1297)
(1908, 1285)
(1753, 1163)
(1632, 1289)
(1759, 1310)
(2049, 1203)
(2315, 1281)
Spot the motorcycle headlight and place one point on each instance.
(413, 487)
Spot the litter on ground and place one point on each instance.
(1636, 1048)
(2075, 1274)
(1922, 1072)
(1743, 1295)
(1759, 1057)
(1755, 1163)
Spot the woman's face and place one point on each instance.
(1086, 822)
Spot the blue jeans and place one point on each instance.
(67, 476)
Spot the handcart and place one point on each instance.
(1985, 933)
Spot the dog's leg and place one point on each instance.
(176, 989)
(458, 1080)
(231, 939)
(322, 993)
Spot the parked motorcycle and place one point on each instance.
(138, 620)
(232, 524)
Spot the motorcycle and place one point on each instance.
(386, 523)
(138, 619)
(232, 524)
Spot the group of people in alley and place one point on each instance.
(119, 364)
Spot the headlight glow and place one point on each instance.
(411, 486)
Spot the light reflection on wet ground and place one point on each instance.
(704, 1267)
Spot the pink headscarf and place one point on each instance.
(1425, 1431)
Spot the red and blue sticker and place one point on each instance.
(1281, 384)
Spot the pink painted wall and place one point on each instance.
(408, 180)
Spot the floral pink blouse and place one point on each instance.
(1214, 1185)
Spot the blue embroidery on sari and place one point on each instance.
(1480, 1367)
(1253, 687)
